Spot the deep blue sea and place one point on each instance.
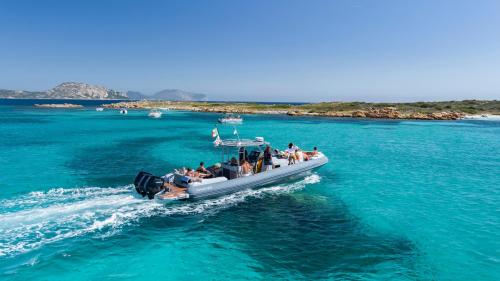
(399, 200)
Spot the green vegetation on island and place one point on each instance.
(443, 110)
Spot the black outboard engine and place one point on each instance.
(148, 184)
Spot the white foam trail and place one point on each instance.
(48, 217)
(39, 198)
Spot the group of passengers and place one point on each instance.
(293, 153)
(246, 166)
(201, 172)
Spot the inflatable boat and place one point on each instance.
(232, 175)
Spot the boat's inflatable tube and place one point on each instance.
(148, 184)
(257, 180)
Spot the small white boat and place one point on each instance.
(99, 109)
(154, 113)
(230, 119)
(483, 117)
(229, 176)
(123, 111)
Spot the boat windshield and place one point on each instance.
(235, 151)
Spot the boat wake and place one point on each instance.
(39, 218)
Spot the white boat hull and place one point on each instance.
(155, 114)
(238, 121)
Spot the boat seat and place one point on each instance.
(181, 180)
(208, 181)
(229, 171)
(279, 162)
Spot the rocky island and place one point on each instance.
(446, 110)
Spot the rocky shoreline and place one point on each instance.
(389, 113)
(243, 108)
(58, 105)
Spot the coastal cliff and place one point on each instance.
(451, 110)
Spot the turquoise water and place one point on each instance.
(399, 200)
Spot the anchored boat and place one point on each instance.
(245, 164)
(230, 119)
(155, 113)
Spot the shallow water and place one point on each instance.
(399, 200)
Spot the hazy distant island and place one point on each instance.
(83, 91)
(444, 110)
(168, 94)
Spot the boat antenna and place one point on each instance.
(235, 132)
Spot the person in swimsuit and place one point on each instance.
(203, 172)
(246, 168)
(313, 153)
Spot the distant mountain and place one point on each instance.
(75, 90)
(67, 90)
(178, 95)
(134, 95)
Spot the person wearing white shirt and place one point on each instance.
(290, 152)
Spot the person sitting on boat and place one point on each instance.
(304, 155)
(193, 176)
(215, 170)
(279, 154)
(234, 161)
(202, 170)
(313, 153)
(299, 156)
(246, 168)
(268, 159)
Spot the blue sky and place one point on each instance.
(258, 50)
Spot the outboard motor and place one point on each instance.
(148, 184)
